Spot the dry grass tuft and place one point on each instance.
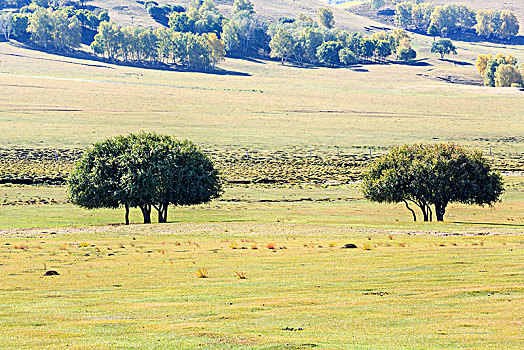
(241, 275)
(201, 272)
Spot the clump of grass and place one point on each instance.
(367, 246)
(84, 244)
(271, 246)
(241, 275)
(201, 272)
(331, 245)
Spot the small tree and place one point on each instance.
(382, 49)
(406, 54)
(436, 175)
(377, 4)
(217, 47)
(243, 8)
(506, 75)
(433, 31)
(489, 71)
(443, 47)
(326, 17)
(6, 24)
(145, 171)
(403, 14)
(482, 63)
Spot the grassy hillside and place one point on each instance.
(127, 12)
(268, 107)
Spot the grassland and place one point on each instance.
(451, 285)
(136, 288)
(51, 101)
(26, 207)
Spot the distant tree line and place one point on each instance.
(198, 37)
(50, 27)
(453, 18)
(303, 40)
(500, 71)
(158, 45)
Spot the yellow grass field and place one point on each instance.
(292, 143)
(137, 288)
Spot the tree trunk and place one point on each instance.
(440, 210)
(165, 212)
(424, 208)
(146, 212)
(162, 212)
(127, 213)
(412, 211)
(160, 215)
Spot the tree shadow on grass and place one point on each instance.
(90, 57)
(358, 69)
(249, 59)
(422, 62)
(455, 62)
(486, 223)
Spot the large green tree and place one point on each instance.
(432, 174)
(143, 170)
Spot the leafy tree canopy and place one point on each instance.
(432, 174)
(143, 170)
(443, 47)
